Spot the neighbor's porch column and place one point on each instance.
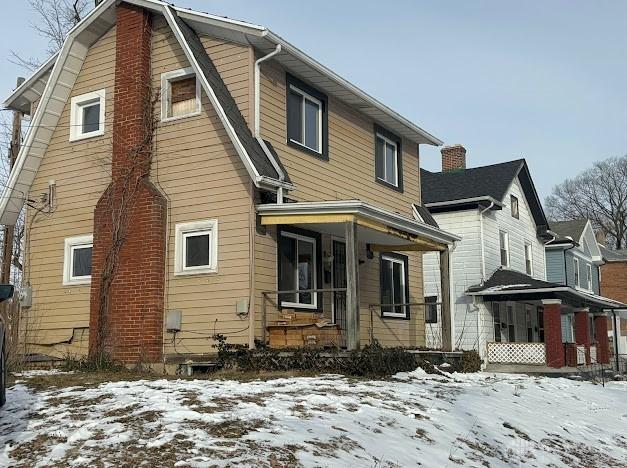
(553, 332)
(446, 285)
(603, 341)
(352, 286)
(582, 332)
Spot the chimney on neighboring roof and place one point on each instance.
(601, 238)
(453, 158)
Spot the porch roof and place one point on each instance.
(383, 229)
(511, 285)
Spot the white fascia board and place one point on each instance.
(30, 81)
(360, 208)
(462, 201)
(584, 295)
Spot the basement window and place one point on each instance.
(180, 94)
(87, 115)
(77, 260)
(196, 247)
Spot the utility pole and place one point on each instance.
(14, 149)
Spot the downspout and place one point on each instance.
(257, 129)
(483, 278)
(565, 267)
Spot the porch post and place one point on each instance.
(603, 341)
(447, 317)
(582, 332)
(352, 286)
(553, 333)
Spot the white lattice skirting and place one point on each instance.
(517, 353)
(593, 354)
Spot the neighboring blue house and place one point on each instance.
(573, 258)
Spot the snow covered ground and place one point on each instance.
(413, 419)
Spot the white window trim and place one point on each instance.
(506, 248)
(576, 272)
(396, 175)
(314, 304)
(302, 123)
(166, 78)
(76, 116)
(71, 243)
(530, 246)
(183, 230)
(513, 198)
(403, 287)
(589, 280)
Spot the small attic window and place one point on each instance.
(514, 205)
(87, 115)
(180, 94)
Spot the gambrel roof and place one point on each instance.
(53, 82)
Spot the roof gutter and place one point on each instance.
(463, 201)
(504, 292)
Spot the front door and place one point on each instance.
(339, 281)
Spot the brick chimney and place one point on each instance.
(127, 321)
(453, 158)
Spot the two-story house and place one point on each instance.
(504, 307)
(613, 284)
(188, 176)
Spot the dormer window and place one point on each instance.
(87, 115)
(514, 206)
(306, 118)
(180, 94)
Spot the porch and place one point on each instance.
(349, 273)
(543, 324)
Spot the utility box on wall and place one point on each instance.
(173, 319)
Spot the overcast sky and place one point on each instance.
(544, 80)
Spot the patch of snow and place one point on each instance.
(467, 419)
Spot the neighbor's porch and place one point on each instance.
(348, 274)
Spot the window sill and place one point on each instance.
(180, 117)
(396, 188)
(306, 149)
(81, 282)
(86, 136)
(200, 271)
(295, 305)
(395, 316)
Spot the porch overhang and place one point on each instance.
(383, 230)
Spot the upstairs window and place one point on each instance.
(196, 247)
(528, 259)
(87, 115)
(514, 206)
(504, 248)
(576, 268)
(77, 260)
(180, 94)
(306, 118)
(394, 286)
(387, 153)
(589, 277)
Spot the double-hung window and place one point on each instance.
(431, 309)
(504, 248)
(388, 163)
(306, 118)
(394, 286)
(196, 247)
(528, 258)
(180, 94)
(298, 269)
(87, 115)
(77, 260)
(589, 276)
(576, 270)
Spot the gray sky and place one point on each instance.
(544, 80)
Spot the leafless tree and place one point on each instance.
(599, 194)
(53, 20)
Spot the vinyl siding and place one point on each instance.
(58, 321)
(555, 266)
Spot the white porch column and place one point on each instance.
(448, 330)
(352, 286)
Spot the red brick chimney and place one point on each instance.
(453, 158)
(126, 318)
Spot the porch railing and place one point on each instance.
(410, 328)
(516, 353)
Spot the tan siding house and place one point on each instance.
(273, 237)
